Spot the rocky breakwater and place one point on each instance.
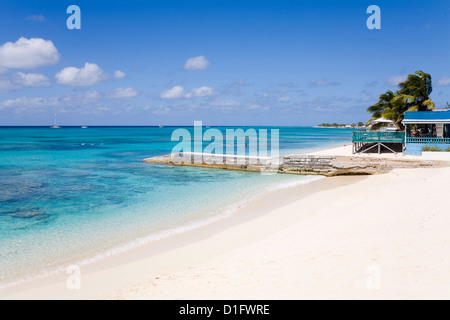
(315, 164)
(350, 165)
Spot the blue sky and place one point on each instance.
(223, 62)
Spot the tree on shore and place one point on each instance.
(413, 95)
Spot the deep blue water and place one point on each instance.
(70, 194)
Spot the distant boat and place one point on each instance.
(161, 126)
(54, 126)
(84, 127)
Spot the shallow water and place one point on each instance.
(75, 194)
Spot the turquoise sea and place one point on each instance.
(74, 195)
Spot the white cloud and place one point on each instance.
(119, 74)
(31, 80)
(445, 81)
(284, 99)
(88, 102)
(161, 110)
(35, 17)
(28, 53)
(7, 85)
(256, 106)
(196, 63)
(225, 103)
(176, 92)
(203, 91)
(395, 80)
(123, 93)
(31, 102)
(19, 80)
(324, 82)
(156, 110)
(88, 75)
(92, 95)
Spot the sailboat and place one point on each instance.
(54, 126)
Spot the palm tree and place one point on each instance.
(396, 112)
(415, 92)
(414, 95)
(379, 109)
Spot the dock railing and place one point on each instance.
(364, 141)
(428, 140)
(377, 136)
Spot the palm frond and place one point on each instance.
(430, 104)
(414, 108)
(390, 114)
(405, 98)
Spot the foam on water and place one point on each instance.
(192, 225)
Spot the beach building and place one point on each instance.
(431, 128)
(385, 139)
(426, 129)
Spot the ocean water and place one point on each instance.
(74, 195)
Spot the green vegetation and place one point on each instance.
(332, 125)
(413, 95)
(337, 125)
(434, 149)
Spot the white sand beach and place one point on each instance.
(224, 150)
(346, 150)
(372, 237)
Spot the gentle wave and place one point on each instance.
(162, 234)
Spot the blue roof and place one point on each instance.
(427, 117)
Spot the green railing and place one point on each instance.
(428, 140)
(386, 137)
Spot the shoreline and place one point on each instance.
(124, 274)
(321, 240)
(232, 208)
(134, 243)
(53, 286)
(353, 241)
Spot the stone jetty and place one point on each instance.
(307, 164)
